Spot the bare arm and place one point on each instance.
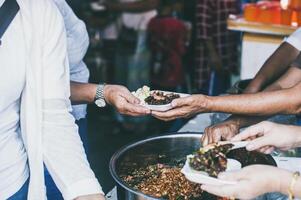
(116, 95)
(291, 78)
(138, 6)
(82, 93)
(273, 68)
(230, 127)
(286, 101)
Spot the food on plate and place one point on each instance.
(142, 93)
(160, 98)
(155, 97)
(163, 181)
(211, 159)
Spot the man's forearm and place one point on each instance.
(289, 79)
(82, 92)
(139, 6)
(287, 101)
(273, 68)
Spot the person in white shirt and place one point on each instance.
(36, 126)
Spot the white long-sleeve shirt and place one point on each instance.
(48, 130)
(77, 45)
(13, 159)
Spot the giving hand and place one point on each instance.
(183, 107)
(123, 100)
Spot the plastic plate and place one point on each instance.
(203, 178)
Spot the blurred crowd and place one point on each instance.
(172, 45)
(167, 44)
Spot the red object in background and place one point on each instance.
(251, 12)
(295, 5)
(167, 38)
(299, 18)
(264, 12)
(286, 17)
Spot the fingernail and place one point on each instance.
(173, 104)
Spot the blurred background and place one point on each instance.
(188, 46)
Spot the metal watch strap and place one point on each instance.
(99, 96)
(100, 92)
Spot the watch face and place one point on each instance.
(100, 103)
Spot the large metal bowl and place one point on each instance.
(168, 149)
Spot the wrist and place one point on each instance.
(204, 103)
(298, 140)
(106, 93)
(285, 179)
(92, 93)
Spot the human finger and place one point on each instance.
(250, 132)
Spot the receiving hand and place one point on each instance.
(91, 197)
(223, 131)
(252, 182)
(183, 107)
(123, 100)
(266, 136)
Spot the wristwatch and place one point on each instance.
(99, 96)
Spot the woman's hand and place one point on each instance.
(184, 107)
(123, 100)
(224, 131)
(251, 181)
(91, 197)
(266, 136)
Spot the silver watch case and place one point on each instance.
(99, 96)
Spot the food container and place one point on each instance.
(251, 12)
(169, 149)
(286, 17)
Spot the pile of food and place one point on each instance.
(159, 98)
(211, 159)
(155, 97)
(163, 181)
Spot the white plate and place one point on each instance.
(203, 178)
(163, 108)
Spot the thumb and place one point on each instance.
(130, 98)
(179, 102)
(252, 131)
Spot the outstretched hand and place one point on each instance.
(183, 108)
(124, 101)
(266, 136)
(251, 182)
